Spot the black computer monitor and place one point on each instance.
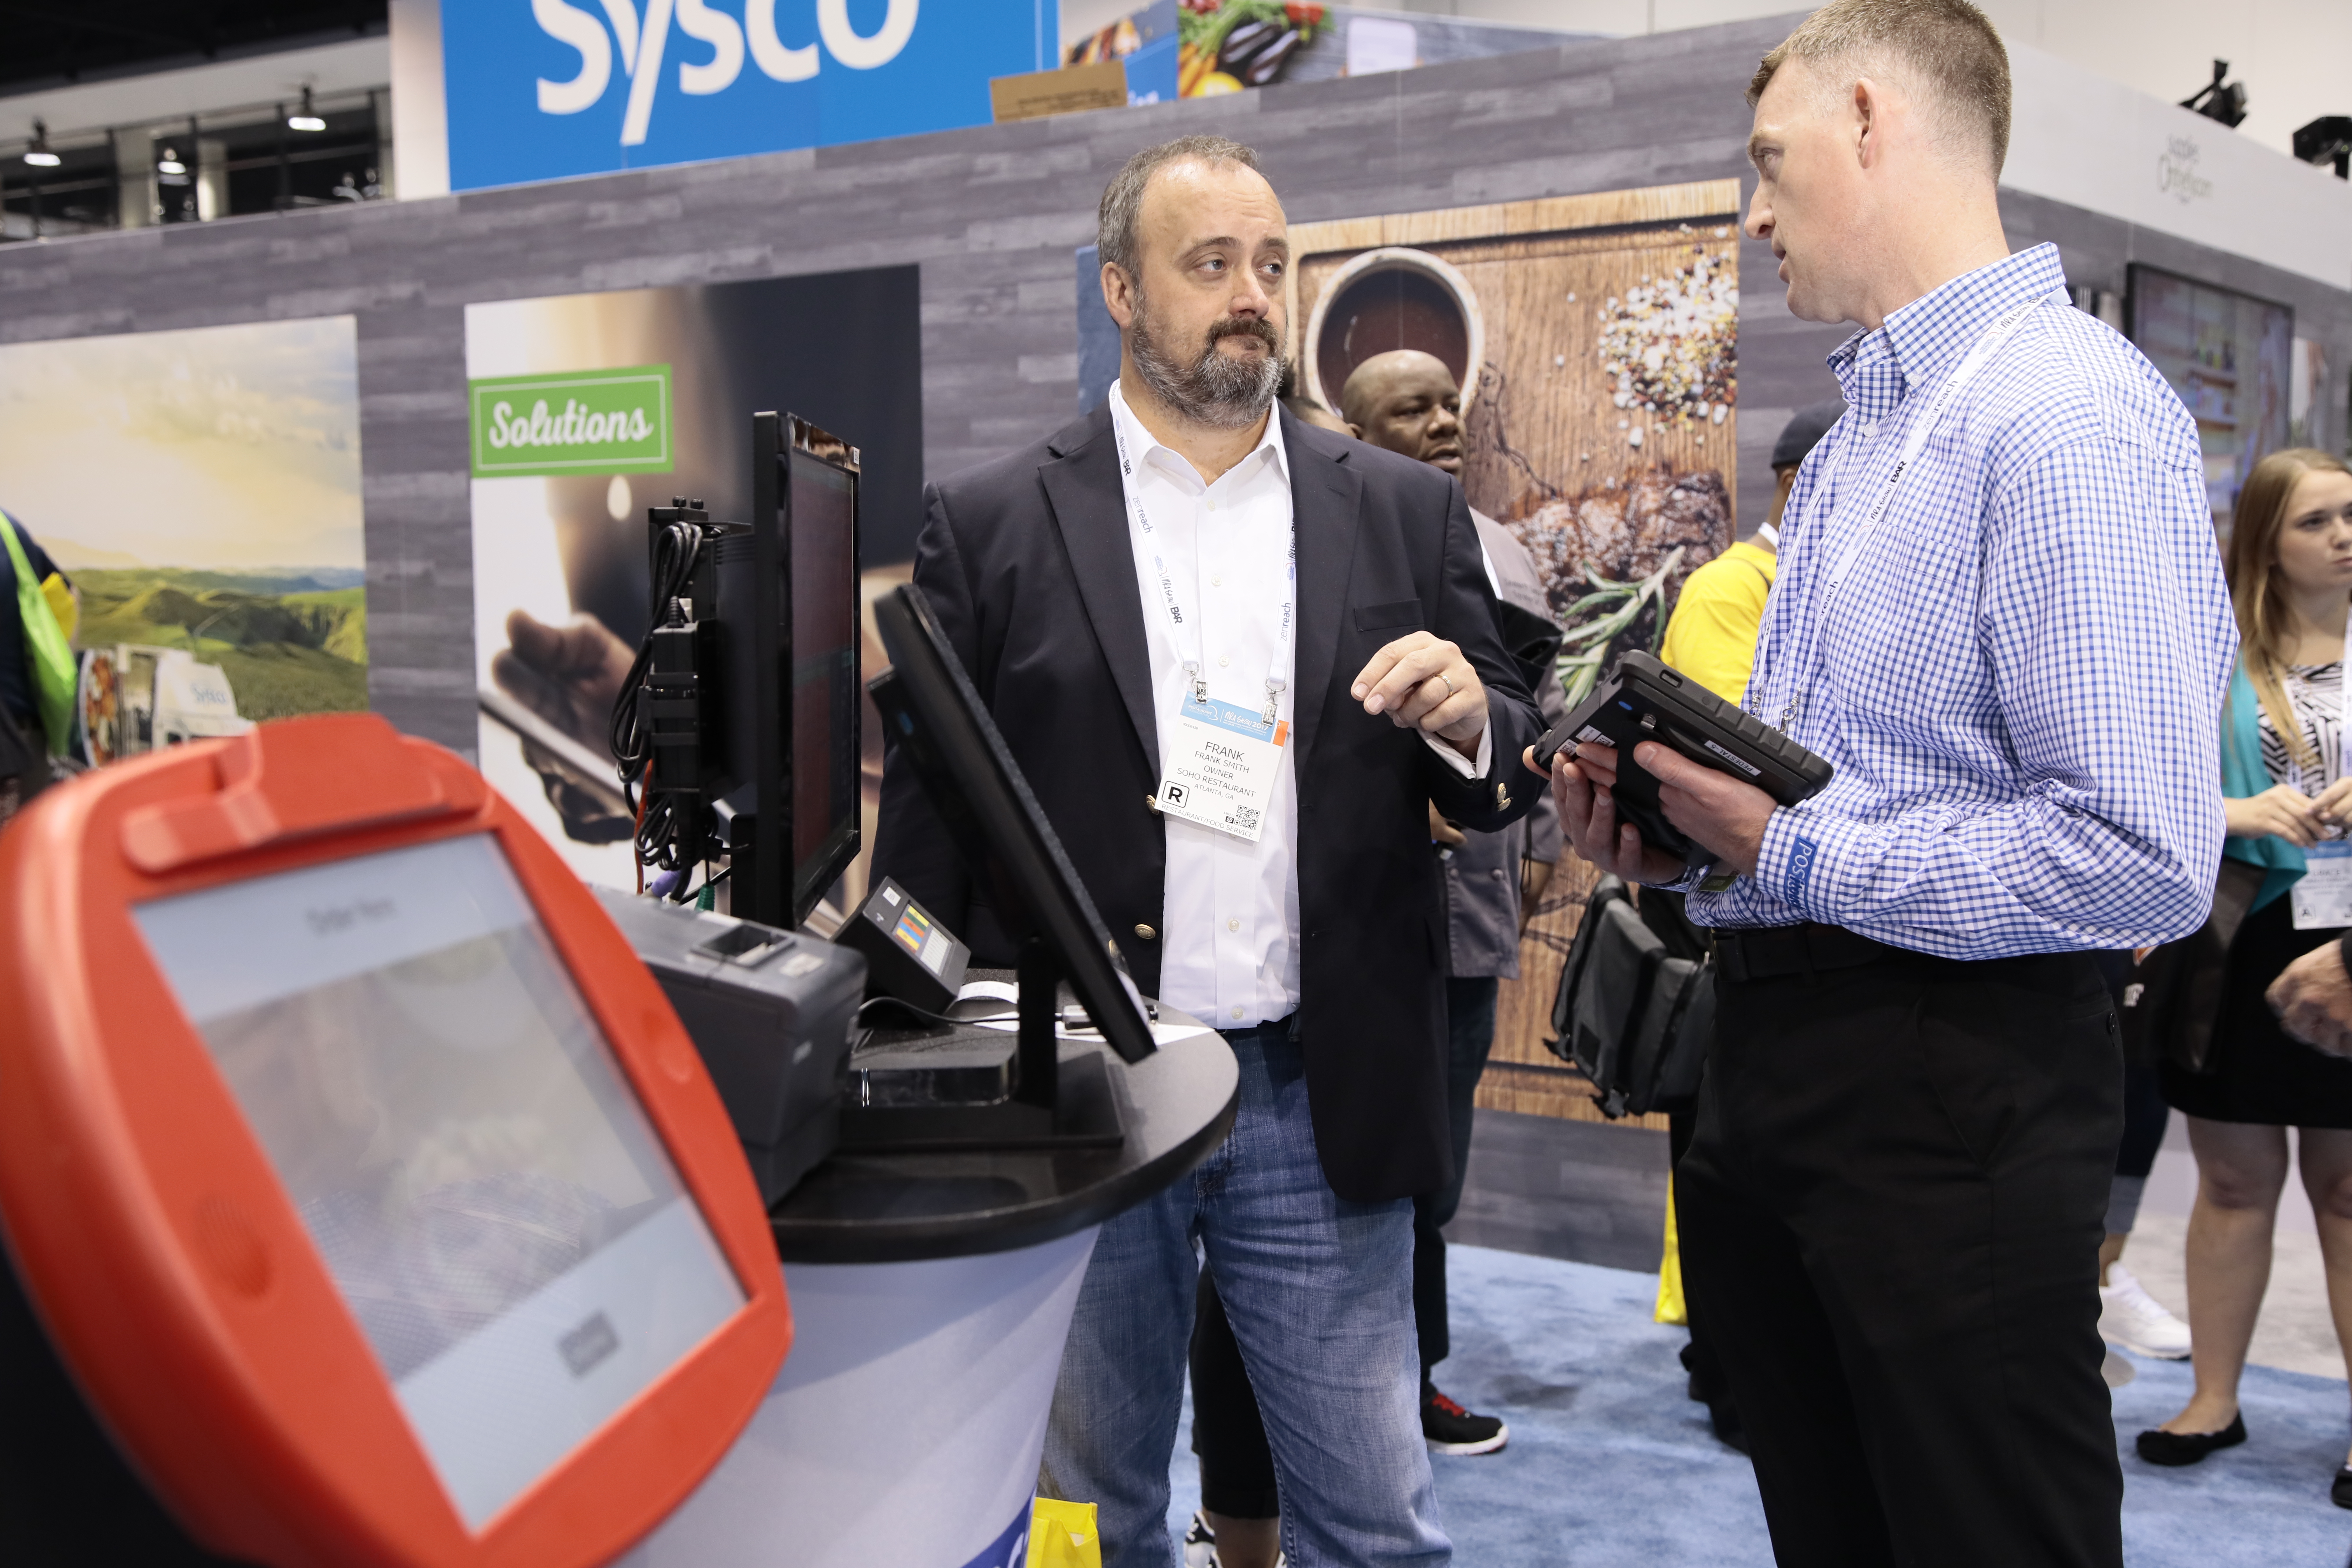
(932, 710)
(789, 647)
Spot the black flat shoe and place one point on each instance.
(2340, 1494)
(2161, 1448)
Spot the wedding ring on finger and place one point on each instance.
(1449, 682)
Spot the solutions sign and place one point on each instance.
(591, 422)
(541, 89)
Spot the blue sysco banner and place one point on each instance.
(542, 88)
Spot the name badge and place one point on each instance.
(1224, 764)
(2323, 897)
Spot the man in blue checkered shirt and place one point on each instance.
(2002, 618)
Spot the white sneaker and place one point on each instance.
(1200, 1545)
(2131, 1317)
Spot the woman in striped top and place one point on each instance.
(2285, 777)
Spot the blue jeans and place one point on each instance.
(1320, 1294)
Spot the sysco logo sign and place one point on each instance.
(541, 89)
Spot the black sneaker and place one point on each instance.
(1451, 1429)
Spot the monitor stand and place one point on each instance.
(979, 1091)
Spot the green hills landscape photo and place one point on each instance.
(290, 643)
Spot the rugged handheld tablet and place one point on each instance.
(1641, 699)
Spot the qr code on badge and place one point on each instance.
(1245, 816)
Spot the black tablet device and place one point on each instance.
(1641, 699)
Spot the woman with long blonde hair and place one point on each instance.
(2285, 792)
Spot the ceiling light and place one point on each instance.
(2218, 101)
(308, 120)
(2326, 139)
(38, 154)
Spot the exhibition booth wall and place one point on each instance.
(989, 220)
(279, 454)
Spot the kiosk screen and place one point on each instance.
(477, 1173)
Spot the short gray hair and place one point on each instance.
(1122, 200)
(1947, 47)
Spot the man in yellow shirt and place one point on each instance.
(1712, 635)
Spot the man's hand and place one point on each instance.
(1423, 683)
(2313, 999)
(1587, 816)
(1718, 812)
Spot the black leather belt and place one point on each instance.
(1775, 951)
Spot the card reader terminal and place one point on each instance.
(911, 956)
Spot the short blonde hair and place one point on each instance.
(1947, 46)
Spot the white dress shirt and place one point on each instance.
(1229, 919)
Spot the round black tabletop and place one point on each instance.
(862, 1206)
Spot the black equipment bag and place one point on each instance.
(1636, 1009)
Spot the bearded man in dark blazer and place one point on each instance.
(1189, 566)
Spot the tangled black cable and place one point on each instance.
(666, 836)
(675, 554)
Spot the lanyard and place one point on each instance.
(2321, 896)
(1861, 533)
(2343, 732)
(2343, 716)
(1139, 523)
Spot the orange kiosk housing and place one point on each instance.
(362, 1177)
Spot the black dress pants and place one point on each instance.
(1891, 1214)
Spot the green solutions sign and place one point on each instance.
(580, 422)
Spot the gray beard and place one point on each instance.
(1216, 390)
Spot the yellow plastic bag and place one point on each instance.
(1062, 1535)
(1671, 1308)
(61, 605)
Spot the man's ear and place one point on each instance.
(1868, 125)
(1355, 429)
(1119, 295)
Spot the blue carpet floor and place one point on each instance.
(1610, 1466)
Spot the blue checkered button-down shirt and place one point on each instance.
(2020, 682)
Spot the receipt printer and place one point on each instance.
(770, 1011)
